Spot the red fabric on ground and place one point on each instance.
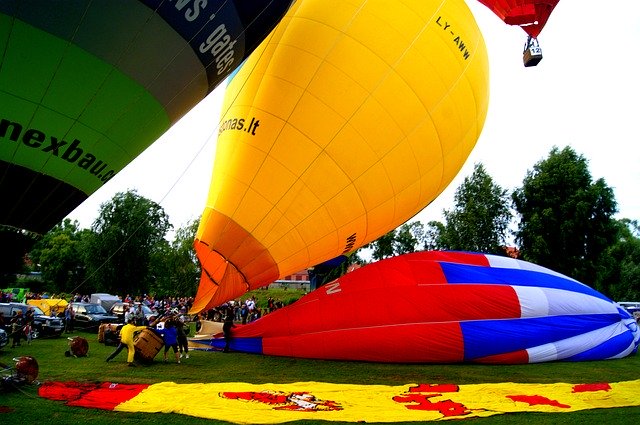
(104, 396)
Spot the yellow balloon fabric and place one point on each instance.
(346, 122)
(269, 403)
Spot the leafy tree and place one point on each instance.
(326, 272)
(128, 232)
(408, 237)
(58, 254)
(565, 218)
(480, 217)
(15, 245)
(618, 273)
(175, 268)
(383, 246)
(433, 236)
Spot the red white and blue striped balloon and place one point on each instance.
(446, 307)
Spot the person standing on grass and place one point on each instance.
(170, 338)
(17, 322)
(183, 342)
(126, 340)
(69, 316)
(226, 329)
(28, 332)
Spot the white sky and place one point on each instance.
(584, 93)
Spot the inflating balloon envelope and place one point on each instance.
(444, 307)
(348, 120)
(87, 85)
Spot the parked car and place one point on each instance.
(89, 316)
(633, 307)
(4, 338)
(50, 306)
(630, 306)
(43, 325)
(105, 300)
(120, 308)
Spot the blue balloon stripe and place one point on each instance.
(246, 345)
(464, 273)
(609, 348)
(511, 335)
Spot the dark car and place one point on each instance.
(43, 325)
(90, 316)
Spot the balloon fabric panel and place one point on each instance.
(405, 309)
(611, 348)
(239, 402)
(461, 273)
(415, 343)
(513, 335)
(332, 134)
(86, 86)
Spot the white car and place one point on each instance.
(4, 338)
(630, 306)
(633, 307)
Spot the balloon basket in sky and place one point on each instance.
(532, 54)
(531, 16)
(444, 307)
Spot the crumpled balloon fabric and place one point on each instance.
(240, 402)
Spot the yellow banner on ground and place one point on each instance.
(276, 403)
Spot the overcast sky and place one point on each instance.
(584, 94)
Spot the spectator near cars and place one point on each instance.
(42, 325)
(90, 316)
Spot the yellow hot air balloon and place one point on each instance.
(347, 121)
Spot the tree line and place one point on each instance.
(559, 218)
(125, 251)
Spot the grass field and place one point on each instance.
(25, 407)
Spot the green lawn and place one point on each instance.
(25, 407)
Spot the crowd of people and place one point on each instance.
(245, 311)
(170, 326)
(18, 327)
(169, 320)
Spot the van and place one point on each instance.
(105, 300)
(50, 306)
(631, 306)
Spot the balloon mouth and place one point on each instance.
(220, 280)
(232, 260)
